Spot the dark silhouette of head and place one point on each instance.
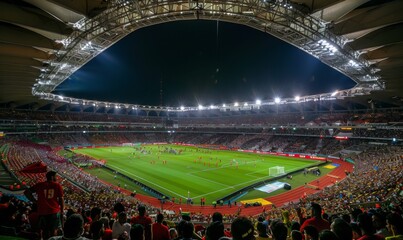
(142, 210)
(95, 213)
(311, 232)
(51, 176)
(74, 226)
(242, 229)
(327, 235)
(355, 213)
(97, 229)
(160, 218)
(137, 232)
(365, 224)
(279, 231)
(316, 210)
(342, 229)
(394, 223)
(296, 235)
(214, 231)
(118, 207)
(187, 229)
(217, 217)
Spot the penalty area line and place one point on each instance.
(206, 179)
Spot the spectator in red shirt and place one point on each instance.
(50, 204)
(143, 220)
(317, 221)
(159, 231)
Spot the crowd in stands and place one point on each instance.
(191, 120)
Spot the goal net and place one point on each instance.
(276, 171)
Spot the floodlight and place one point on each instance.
(200, 107)
(182, 108)
(334, 93)
(277, 100)
(353, 63)
(236, 104)
(245, 104)
(258, 102)
(211, 106)
(224, 105)
(297, 98)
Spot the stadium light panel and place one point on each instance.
(224, 105)
(277, 100)
(334, 93)
(297, 98)
(182, 108)
(353, 63)
(200, 107)
(236, 104)
(258, 102)
(245, 104)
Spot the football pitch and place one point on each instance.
(185, 171)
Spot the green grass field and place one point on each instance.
(198, 172)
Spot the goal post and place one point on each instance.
(276, 171)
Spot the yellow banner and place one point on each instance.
(259, 200)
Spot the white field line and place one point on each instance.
(225, 165)
(206, 179)
(251, 173)
(166, 189)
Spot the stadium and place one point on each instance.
(194, 135)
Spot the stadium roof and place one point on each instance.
(33, 34)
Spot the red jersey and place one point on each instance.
(159, 232)
(48, 197)
(319, 223)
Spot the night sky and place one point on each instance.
(193, 63)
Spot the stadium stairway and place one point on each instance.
(5, 177)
